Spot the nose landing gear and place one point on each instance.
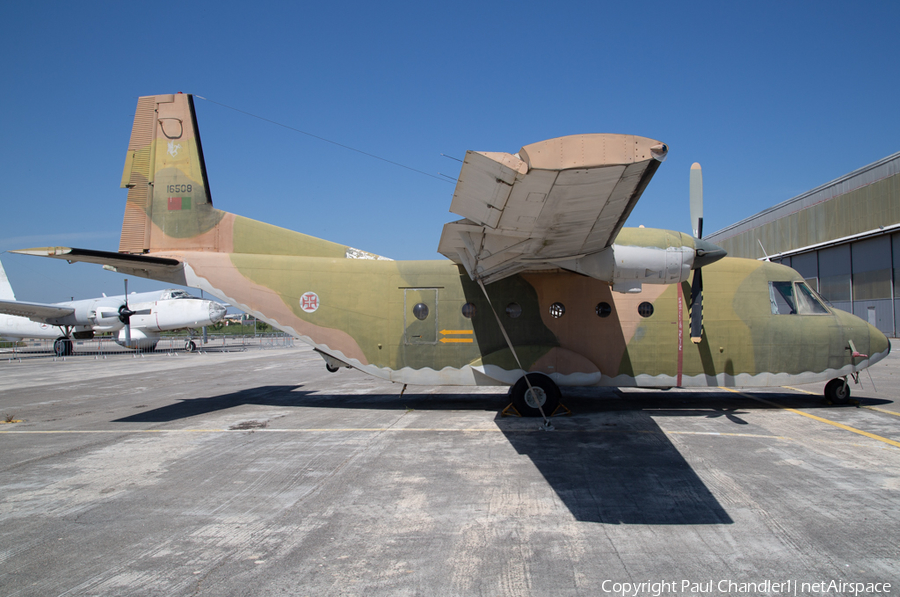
(837, 391)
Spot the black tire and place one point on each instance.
(189, 346)
(331, 369)
(546, 391)
(837, 391)
(63, 347)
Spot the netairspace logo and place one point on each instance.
(763, 587)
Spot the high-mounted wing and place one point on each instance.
(555, 200)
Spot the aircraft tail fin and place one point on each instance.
(168, 191)
(6, 291)
(169, 205)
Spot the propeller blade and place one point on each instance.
(697, 306)
(697, 200)
(125, 317)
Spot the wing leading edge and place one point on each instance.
(555, 200)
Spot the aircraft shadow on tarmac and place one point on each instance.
(609, 462)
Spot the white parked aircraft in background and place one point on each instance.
(138, 317)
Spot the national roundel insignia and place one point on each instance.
(309, 302)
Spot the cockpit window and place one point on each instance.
(791, 298)
(781, 296)
(808, 301)
(177, 294)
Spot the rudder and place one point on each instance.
(6, 291)
(169, 203)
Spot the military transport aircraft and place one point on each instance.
(138, 317)
(541, 277)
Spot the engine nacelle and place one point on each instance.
(626, 267)
(105, 319)
(178, 314)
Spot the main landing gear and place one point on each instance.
(543, 395)
(63, 347)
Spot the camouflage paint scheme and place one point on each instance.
(364, 314)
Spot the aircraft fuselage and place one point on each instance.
(426, 322)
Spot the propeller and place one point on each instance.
(697, 200)
(705, 253)
(125, 316)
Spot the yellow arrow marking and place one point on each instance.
(445, 332)
(445, 340)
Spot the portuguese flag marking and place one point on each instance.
(179, 203)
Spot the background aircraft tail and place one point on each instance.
(6, 291)
(169, 205)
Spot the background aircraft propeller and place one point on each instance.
(125, 316)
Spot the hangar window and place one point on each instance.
(791, 298)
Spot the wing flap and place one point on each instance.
(554, 200)
(483, 188)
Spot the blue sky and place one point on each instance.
(772, 98)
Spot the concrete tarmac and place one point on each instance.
(260, 473)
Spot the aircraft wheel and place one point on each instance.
(60, 348)
(837, 392)
(189, 346)
(331, 369)
(544, 393)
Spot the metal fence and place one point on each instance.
(106, 347)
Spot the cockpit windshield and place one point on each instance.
(808, 301)
(177, 294)
(792, 298)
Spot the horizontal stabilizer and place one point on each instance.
(145, 266)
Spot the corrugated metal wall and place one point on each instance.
(857, 263)
(861, 201)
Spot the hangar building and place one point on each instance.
(843, 237)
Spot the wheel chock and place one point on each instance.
(564, 407)
(506, 411)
